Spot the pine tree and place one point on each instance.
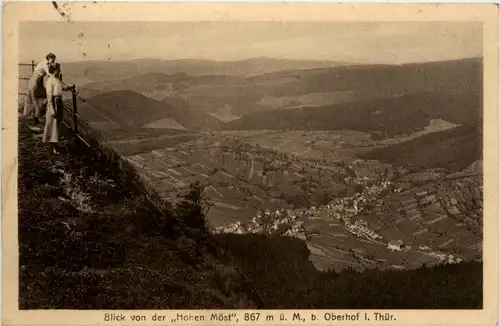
(191, 208)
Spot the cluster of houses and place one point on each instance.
(347, 207)
(237, 227)
(398, 245)
(360, 229)
(285, 222)
(289, 222)
(446, 258)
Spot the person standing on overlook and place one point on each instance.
(54, 114)
(35, 85)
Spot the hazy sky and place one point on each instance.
(339, 41)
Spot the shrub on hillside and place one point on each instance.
(191, 208)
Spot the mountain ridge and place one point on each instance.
(381, 117)
(102, 70)
(228, 96)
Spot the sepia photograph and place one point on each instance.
(250, 164)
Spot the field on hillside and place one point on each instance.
(240, 178)
(320, 145)
(444, 214)
(328, 145)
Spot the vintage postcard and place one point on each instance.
(250, 164)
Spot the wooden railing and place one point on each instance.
(32, 65)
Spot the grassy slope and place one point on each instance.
(121, 255)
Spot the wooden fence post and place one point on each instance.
(75, 112)
(32, 66)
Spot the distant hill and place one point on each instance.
(454, 149)
(157, 81)
(385, 117)
(370, 81)
(210, 94)
(229, 96)
(132, 110)
(97, 71)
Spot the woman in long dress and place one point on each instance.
(54, 114)
(35, 86)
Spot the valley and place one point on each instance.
(251, 189)
(348, 158)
